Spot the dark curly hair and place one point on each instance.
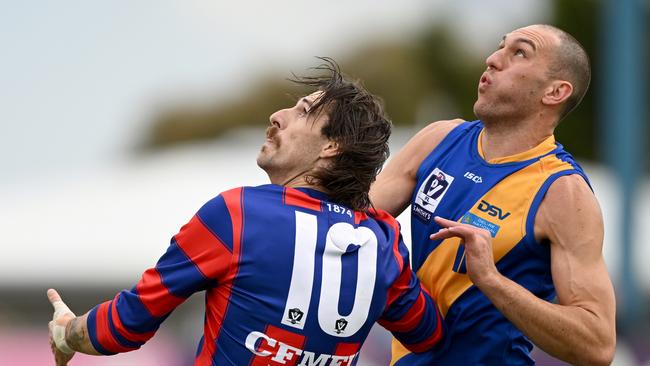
(358, 124)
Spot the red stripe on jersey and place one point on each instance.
(117, 323)
(218, 298)
(286, 356)
(399, 286)
(390, 221)
(429, 342)
(154, 295)
(204, 249)
(215, 310)
(294, 197)
(410, 319)
(349, 350)
(359, 216)
(104, 335)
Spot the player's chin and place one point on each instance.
(260, 160)
(264, 158)
(483, 105)
(478, 107)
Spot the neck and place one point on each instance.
(295, 181)
(502, 139)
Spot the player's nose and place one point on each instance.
(278, 118)
(494, 60)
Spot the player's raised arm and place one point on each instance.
(580, 328)
(571, 219)
(395, 184)
(196, 259)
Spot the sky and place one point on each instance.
(80, 80)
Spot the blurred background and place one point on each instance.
(121, 118)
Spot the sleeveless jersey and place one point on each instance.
(501, 196)
(290, 279)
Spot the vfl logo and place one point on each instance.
(492, 210)
(431, 193)
(340, 326)
(295, 315)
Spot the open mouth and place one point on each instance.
(483, 82)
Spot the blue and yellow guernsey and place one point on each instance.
(501, 196)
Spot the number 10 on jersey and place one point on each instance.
(338, 238)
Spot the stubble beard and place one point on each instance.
(485, 111)
(265, 161)
(503, 111)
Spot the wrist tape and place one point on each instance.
(58, 331)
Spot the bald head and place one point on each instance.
(569, 62)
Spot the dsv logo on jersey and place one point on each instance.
(492, 210)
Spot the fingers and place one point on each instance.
(60, 308)
(456, 229)
(53, 296)
(452, 229)
(60, 359)
(445, 223)
(462, 232)
(442, 234)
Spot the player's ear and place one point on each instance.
(557, 92)
(329, 150)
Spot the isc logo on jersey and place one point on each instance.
(430, 194)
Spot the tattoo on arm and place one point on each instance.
(76, 335)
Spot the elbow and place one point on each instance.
(604, 356)
(600, 355)
(607, 350)
(602, 359)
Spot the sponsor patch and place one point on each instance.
(470, 218)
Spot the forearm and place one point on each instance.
(568, 332)
(76, 336)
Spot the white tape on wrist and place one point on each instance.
(58, 331)
(58, 335)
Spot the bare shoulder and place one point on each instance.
(427, 139)
(570, 194)
(439, 129)
(395, 184)
(569, 211)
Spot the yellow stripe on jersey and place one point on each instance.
(544, 147)
(506, 205)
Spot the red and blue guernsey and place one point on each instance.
(290, 279)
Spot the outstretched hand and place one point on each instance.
(478, 248)
(62, 316)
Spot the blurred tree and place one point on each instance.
(185, 123)
(578, 132)
(408, 75)
(421, 80)
(451, 70)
